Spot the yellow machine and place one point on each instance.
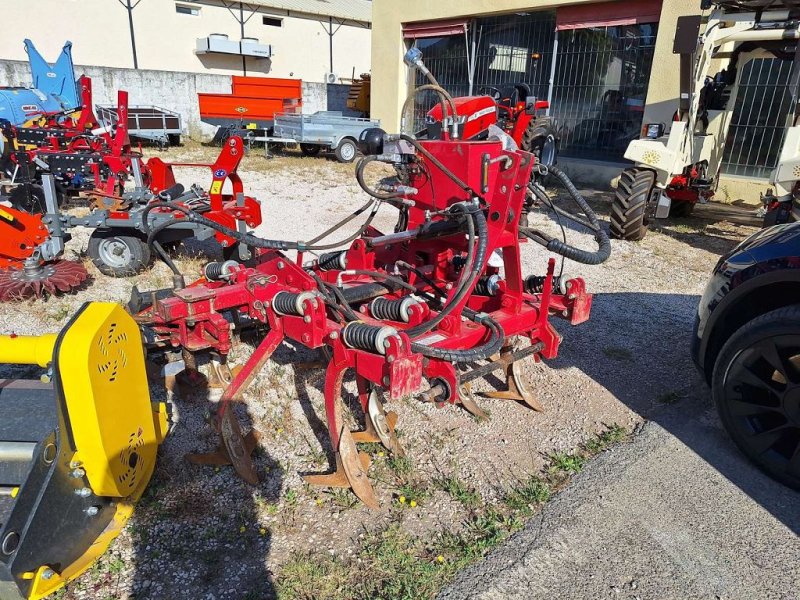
(77, 447)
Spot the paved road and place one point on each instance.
(675, 514)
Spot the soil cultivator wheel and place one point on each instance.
(681, 209)
(756, 386)
(118, 255)
(629, 210)
(49, 279)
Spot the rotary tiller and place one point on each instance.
(445, 290)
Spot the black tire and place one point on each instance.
(118, 255)
(681, 209)
(760, 412)
(174, 139)
(541, 139)
(629, 210)
(346, 150)
(310, 149)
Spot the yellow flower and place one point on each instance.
(319, 501)
(262, 531)
(413, 503)
(402, 499)
(380, 453)
(216, 469)
(280, 429)
(440, 558)
(242, 529)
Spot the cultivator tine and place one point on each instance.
(468, 402)
(351, 471)
(379, 426)
(235, 449)
(517, 390)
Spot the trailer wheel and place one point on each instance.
(632, 204)
(681, 209)
(118, 255)
(346, 150)
(310, 149)
(756, 386)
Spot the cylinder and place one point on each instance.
(27, 349)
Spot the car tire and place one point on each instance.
(346, 150)
(629, 210)
(118, 255)
(756, 387)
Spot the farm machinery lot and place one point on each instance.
(203, 532)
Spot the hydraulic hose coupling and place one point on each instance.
(392, 309)
(372, 338)
(290, 303)
(219, 271)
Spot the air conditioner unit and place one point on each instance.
(331, 77)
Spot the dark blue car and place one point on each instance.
(747, 345)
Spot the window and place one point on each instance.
(272, 22)
(187, 10)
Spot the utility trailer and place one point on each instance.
(324, 129)
(152, 123)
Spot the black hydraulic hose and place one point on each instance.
(165, 257)
(378, 275)
(472, 270)
(364, 186)
(345, 221)
(571, 252)
(490, 347)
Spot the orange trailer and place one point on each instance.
(252, 103)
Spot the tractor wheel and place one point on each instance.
(540, 139)
(681, 209)
(346, 150)
(310, 149)
(629, 210)
(118, 255)
(756, 387)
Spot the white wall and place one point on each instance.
(165, 39)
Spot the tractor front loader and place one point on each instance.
(678, 165)
(78, 446)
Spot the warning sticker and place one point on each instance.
(430, 339)
(216, 187)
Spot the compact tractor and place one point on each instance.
(678, 165)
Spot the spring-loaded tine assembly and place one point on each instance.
(467, 400)
(516, 388)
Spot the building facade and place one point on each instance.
(606, 68)
(304, 39)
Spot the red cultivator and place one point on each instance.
(445, 289)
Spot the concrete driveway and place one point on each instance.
(675, 514)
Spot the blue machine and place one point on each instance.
(54, 88)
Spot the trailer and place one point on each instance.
(152, 123)
(326, 129)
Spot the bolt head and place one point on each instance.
(92, 511)
(77, 473)
(386, 381)
(390, 359)
(48, 574)
(281, 265)
(334, 335)
(83, 492)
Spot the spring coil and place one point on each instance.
(289, 303)
(330, 261)
(488, 286)
(371, 338)
(535, 284)
(215, 271)
(392, 309)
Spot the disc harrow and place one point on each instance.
(38, 280)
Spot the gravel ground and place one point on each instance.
(201, 532)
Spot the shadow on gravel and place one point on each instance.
(636, 345)
(196, 533)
